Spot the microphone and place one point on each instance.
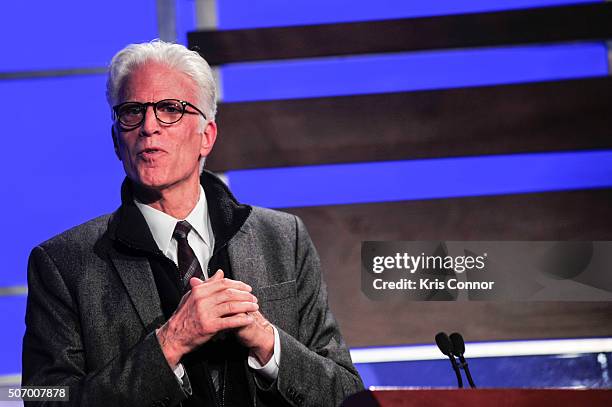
(458, 349)
(446, 347)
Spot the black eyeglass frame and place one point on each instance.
(144, 107)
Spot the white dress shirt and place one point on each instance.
(162, 225)
(202, 242)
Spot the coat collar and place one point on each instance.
(227, 216)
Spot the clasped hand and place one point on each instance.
(212, 306)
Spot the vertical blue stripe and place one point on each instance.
(422, 179)
(235, 14)
(400, 72)
(12, 321)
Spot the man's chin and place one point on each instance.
(150, 183)
(156, 184)
(158, 181)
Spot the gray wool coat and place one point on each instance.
(92, 311)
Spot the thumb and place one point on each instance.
(194, 282)
(217, 276)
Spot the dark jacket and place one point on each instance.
(93, 309)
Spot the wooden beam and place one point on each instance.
(338, 231)
(536, 25)
(535, 117)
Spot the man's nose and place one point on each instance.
(150, 124)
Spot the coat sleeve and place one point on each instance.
(315, 368)
(53, 352)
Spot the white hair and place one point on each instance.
(174, 56)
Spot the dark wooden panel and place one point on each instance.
(338, 231)
(488, 120)
(482, 397)
(550, 24)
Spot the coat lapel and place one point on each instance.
(129, 231)
(136, 274)
(246, 258)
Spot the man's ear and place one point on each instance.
(209, 135)
(115, 141)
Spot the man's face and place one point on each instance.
(158, 155)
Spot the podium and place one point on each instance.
(481, 397)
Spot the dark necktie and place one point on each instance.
(188, 263)
(197, 370)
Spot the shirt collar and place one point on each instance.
(226, 216)
(162, 225)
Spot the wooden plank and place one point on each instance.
(536, 25)
(535, 117)
(339, 230)
(482, 397)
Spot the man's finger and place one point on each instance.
(235, 307)
(211, 286)
(232, 294)
(217, 276)
(194, 282)
(235, 321)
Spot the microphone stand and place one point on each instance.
(458, 349)
(457, 372)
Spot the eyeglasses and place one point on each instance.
(168, 111)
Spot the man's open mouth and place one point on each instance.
(150, 152)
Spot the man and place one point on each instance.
(183, 295)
